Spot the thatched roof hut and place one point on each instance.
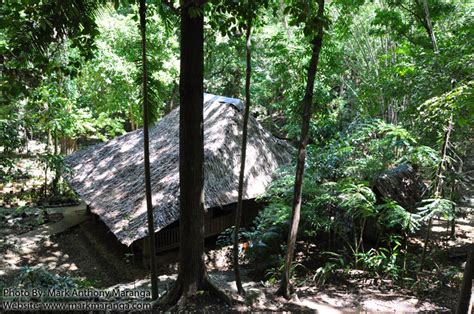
(109, 176)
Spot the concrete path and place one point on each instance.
(26, 242)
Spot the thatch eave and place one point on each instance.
(109, 176)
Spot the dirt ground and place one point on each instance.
(89, 251)
(79, 252)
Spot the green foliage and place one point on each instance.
(382, 262)
(393, 215)
(58, 110)
(362, 151)
(338, 198)
(329, 269)
(97, 97)
(400, 16)
(110, 84)
(40, 278)
(30, 32)
(231, 17)
(9, 136)
(272, 275)
(456, 105)
(358, 200)
(383, 97)
(423, 157)
(340, 175)
(436, 207)
(225, 237)
(10, 142)
(52, 162)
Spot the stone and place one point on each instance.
(256, 297)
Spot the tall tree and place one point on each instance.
(429, 26)
(192, 276)
(307, 103)
(192, 272)
(243, 153)
(464, 299)
(408, 18)
(233, 18)
(146, 154)
(439, 184)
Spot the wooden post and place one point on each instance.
(146, 256)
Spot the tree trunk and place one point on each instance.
(171, 105)
(191, 150)
(464, 303)
(238, 213)
(285, 286)
(192, 271)
(57, 172)
(438, 188)
(133, 126)
(146, 157)
(429, 26)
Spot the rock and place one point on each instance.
(259, 249)
(401, 184)
(263, 257)
(256, 297)
(273, 240)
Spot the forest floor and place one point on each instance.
(88, 251)
(84, 248)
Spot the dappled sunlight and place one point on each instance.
(371, 299)
(354, 191)
(318, 307)
(113, 185)
(35, 248)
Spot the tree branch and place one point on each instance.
(170, 5)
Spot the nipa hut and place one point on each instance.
(109, 176)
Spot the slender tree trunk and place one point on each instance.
(192, 270)
(430, 26)
(55, 142)
(284, 20)
(146, 157)
(238, 213)
(451, 224)
(438, 188)
(47, 151)
(57, 173)
(3, 100)
(50, 142)
(285, 286)
(133, 126)
(360, 244)
(464, 303)
(170, 106)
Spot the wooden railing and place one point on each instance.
(168, 238)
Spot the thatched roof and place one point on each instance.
(109, 176)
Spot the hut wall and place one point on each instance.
(216, 220)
